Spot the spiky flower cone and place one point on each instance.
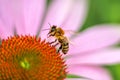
(29, 58)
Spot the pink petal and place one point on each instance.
(33, 13)
(76, 16)
(76, 79)
(19, 21)
(2, 35)
(95, 38)
(57, 12)
(103, 57)
(4, 31)
(91, 72)
(6, 18)
(28, 15)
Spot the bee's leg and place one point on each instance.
(53, 41)
(56, 44)
(59, 48)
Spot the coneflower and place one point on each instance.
(25, 57)
(29, 58)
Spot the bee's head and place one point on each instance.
(52, 30)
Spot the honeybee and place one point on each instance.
(58, 33)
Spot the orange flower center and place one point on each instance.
(29, 58)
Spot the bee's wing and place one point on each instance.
(70, 33)
(70, 42)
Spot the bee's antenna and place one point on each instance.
(45, 29)
(49, 24)
(48, 28)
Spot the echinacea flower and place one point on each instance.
(26, 57)
(29, 58)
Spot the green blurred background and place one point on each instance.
(104, 11)
(100, 12)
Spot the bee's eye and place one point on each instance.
(53, 28)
